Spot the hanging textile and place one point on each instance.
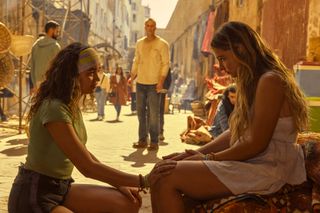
(206, 48)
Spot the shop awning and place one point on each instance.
(205, 47)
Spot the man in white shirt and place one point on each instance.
(150, 67)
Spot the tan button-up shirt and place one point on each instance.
(151, 60)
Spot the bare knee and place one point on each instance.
(163, 184)
(125, 205)
(61, 209)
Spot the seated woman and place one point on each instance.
(57, 143)
(259, 153)
(224, 109)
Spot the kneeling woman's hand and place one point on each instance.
(131, 193)
(161, 169)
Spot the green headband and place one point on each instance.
(88, 58)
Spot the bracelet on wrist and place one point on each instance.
(206, 157)
(146, 181)
(210, 156)
(142, 186)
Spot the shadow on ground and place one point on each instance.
(131, 114)
(8, 130)
(20, 149)
(114, 121)
(140, 159)
(8, 134)
(9, 126)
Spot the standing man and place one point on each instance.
(43, 51)
(150, 67)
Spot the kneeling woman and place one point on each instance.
(259, 153)
(57, 143)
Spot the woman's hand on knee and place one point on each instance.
(176, 156)
(160, 170)
(194, 155)
(131, 193)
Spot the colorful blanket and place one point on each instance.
(300, 198)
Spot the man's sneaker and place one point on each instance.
(161, 137)
(153, 147)
(140, 144)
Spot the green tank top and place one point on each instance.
(44, 156)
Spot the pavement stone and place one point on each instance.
(110, 141)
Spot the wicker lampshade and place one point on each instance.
(6, 38)
(6, 69)
(21, 45)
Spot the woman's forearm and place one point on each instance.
(240, 152)
(218, 144)
(114, 177)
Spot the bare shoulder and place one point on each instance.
(270, 90)
(270, 80)
(270, 76)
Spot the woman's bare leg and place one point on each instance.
(154, 198)
(192, 178)
(61, 209)
(94, 198)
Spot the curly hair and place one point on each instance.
(255, 59)
(61, 80)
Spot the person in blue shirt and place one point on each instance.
(224, 109)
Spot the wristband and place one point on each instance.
(210, 156)
(146, 181)
(141, 184)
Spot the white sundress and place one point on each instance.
(282, 162)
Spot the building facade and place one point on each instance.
(139, 14)
(106, 25)
(185, 33)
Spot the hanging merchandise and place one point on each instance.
(6, 38)
(6, 69)
(205, 47)
(21, 45)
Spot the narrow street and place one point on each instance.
(111, 142)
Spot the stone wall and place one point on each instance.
(284, 27)
(248, 12)
(185, 14)
(313, 42)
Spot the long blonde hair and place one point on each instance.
(255, 59)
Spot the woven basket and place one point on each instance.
(196, 105)
(21, 45)
(308, 136)
(6, 69)
(6, 38)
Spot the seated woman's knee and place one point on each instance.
(128, 206)
(123, 204)
(165, 181)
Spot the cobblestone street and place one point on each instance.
(111, 142)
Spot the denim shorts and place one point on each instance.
(34, 192)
